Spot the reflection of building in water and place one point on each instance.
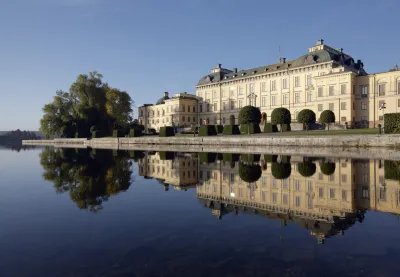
(173, 169)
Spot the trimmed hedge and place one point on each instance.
(286, 128)
(254, 128)
(392, 170)
(118, 133)
(96, 134)
(231, 130)
(230, 157)
(281, 170)
(207, 130)
(219, 128)
(135, 132)
(285, 159)
(307, 169)
(249, 114)
(249, 173)
(167, 131)
(327, 117)
(280, 116)
(250, 158)
(306, 117)
(205, 157)
(270, 158)
(269, 128)
(392, 122)
(166, 155)
(327, 168)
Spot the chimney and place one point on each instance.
(282, 60)
(340, 50)
(219, 65)
(235, 70)
(320, 42)
(166, 94)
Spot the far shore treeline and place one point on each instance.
(90, 105)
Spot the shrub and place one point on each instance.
(270, 158)
(306, 117)
(285, 128)
(250, 158)
(327, 168)
(152, 131)
(392, 170)
(280, 116)
(135, 133)
(219, 129)
(249, 114)
(95, 134)
(205, 157)
(118, 133)
(231, 130)
(392, 122)
(281, 170)
(167, 131)
(166, 155)
(249, 173)
(307, 169)
(327, 117)
(207, 130)
(269, 128)
(230, 157)
(254, 128)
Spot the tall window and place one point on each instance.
(284, 83)
(309, 96)
(331, 107)
(297, 81)
(343, 89)
(344, 195)
(285, 199)
(208, 107)
(297, 98)
(320, 91)
(320, 107)
(285, 99)
(297, 185)
(200, 94)
(194, 109)
(364, 91)
(215, 106)
(223, 92)
(225, 105)
(343, 106)
(398, 87)
(182, 109)
(363, 105)
(232, 105)
(331, 193)
(297, 201)
(382, 89)
(183, 118)
(241, 91)
(263, 88)
(273, 85)
(201, 108)
(215, 94)
(321, 192)
(331, 90)
(207, 95)
(274, 197)
(310, 202)
(232, 91)
(309, 80)
(251, 87)
(263, 101)
(273, 102)
(240, 103)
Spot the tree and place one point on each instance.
(249, 173)
(327, 117)
(307, 169)
(327, 168)
(281, 170)
(306, 117)
(249, 114)
(280, 116)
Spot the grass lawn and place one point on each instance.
(324, 132)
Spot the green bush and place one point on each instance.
(392, 170)
(306, 117)
(219, 129)
(249, 114)
(286, 128)
(270, 158)
(269, 128)
(250, 158)
(254, 128)
(249, 173)
(280, 116)
(118, 133)
(285, 159)
(327, 168)
(205, 157)
(327, 117)
(230, 157)
(281, 170)
(135, 132)
(207, 130)
(167, 131)
(231, 130)
(166, 155)
(307, 169)
(152, 131)
(95, 134)
(392, 122)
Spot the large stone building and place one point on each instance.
(323, 79)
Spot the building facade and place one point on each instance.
(323, 79)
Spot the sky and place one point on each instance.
(150, 46)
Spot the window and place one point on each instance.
(297, 98)
(194, 109)
(264, 180)
(240, 192)
(309, 186)
(273, 102)
(343, 106)
(284, 84)
(274, 183)
(310, 203)
(223, 120)
(207, 95)
(320, 176)
(320, 92)
(332, 177)
(263, 196)
(241, 91)
(215, 95)
(183, 118)
(344, 178)
(285, 199)
(381, 103)
(215, 106)
(382, 194)
(343, 89)
(251, 87)
(285, 184)
(240, 103)
(232, 91)
(332, 193)
(364, 91)
(398, 87)
(200, 94)
(398, 102)
(365, 193)
(331, 90)
(344, 195)
(331, 106)
(309, 80)
(297, 185)
(343, 118)
(274, 197)
(364, 118)
(188, 118)
(297, 81)
(285, 99)
(194, 119)
(381, 89)
(297, 201)
(225, 106)
(273, 85)
(201, 108)
(232, 105)
(263, 101)
(309, 96)
(223, 92)
(321, 192)
(320, 107)
(208, 107)
(363, 105)
(263, 88)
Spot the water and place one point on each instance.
(106, 213)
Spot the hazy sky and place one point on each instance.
(150, 46)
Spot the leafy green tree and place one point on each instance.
(306, 117)
(280, 116)
(327, 117)
(327, 168)
(249, 114)
(307, 169)
(249, 173)
(281, 170)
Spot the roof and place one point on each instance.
(162, 100)
(320, 56)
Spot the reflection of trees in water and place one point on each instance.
(90, 177)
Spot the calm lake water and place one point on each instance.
(68, 212)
